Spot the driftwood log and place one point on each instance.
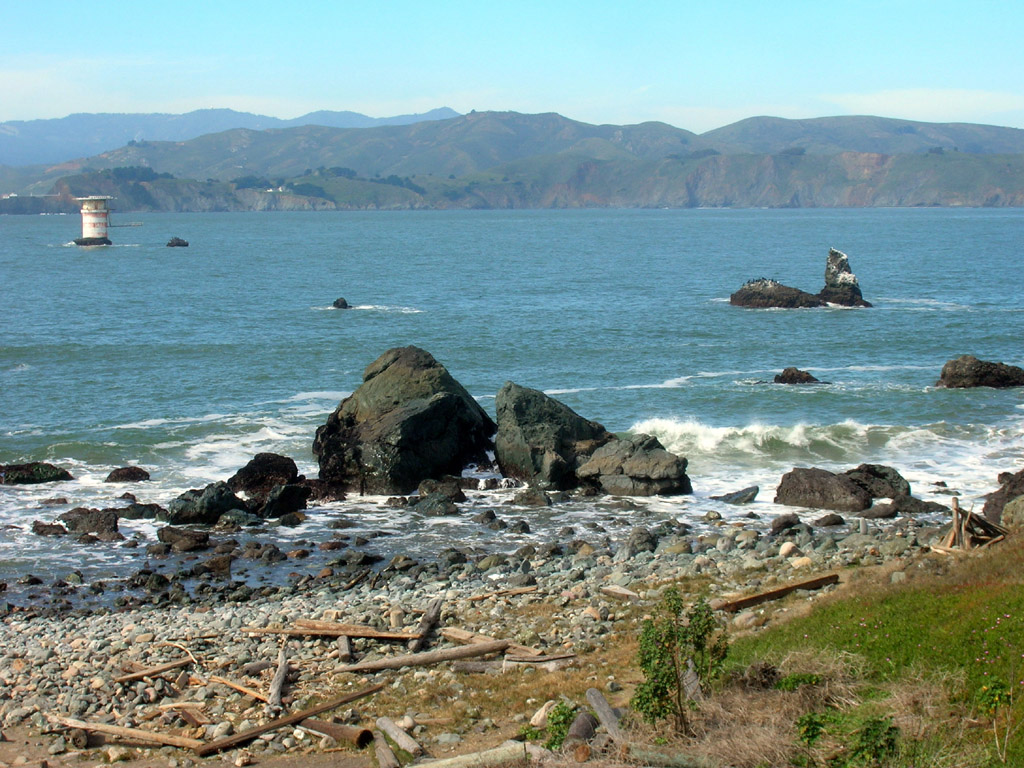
(463, 636)
(231, 742)
(280, 677)
(427, 622)
(430, 657)
(509, 753)
(385, 756)
(351, 734)
(605, 714)
(129, 733)
(344, 648)
(731, 606)
(402, 739)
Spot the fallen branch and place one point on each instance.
(153, 671)
(230, 742)
(620, 593)
(430, 657)
(129, 733)
(774, 594)
(503, 593)
(240, 688)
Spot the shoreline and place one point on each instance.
(65, 664)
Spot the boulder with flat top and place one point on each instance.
(636, 466)
(821, 489)
(968, 371)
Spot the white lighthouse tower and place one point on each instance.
(95, 219)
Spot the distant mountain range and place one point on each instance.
(508, 160)
(35, 142)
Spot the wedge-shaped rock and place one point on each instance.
(409, 421)
(541, 440)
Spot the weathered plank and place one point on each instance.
(731, 606)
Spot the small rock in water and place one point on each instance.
(340, 303)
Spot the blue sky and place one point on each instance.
(694, 65)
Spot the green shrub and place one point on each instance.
(667, 642)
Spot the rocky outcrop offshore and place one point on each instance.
(967, 371)
(407, 422)
(771, 294)
(32, 473)
(841, 286)
(796, 376)
(841, 289)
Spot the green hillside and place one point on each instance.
(511, 160)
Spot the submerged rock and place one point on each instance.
(85, 520)
(795, 376)
(741, 497)
(130, 474)
(407, 422)
(177, 242)
(968, 371)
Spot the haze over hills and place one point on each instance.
(508, 159)
(33, 142)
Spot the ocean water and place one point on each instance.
(188, 361)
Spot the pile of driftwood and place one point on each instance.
(969, 531)
(469, 645)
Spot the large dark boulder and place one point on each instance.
(408, 421)
(285, 499)
(841, 286)
(638, 466)
(201, 507)
(542, 441)
(968, 371)
(770, 294)
(130, 474)
(32, 473)
(263, 473)
(1012, 487)
(85, 520)
(821, 489)
(879, 481)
